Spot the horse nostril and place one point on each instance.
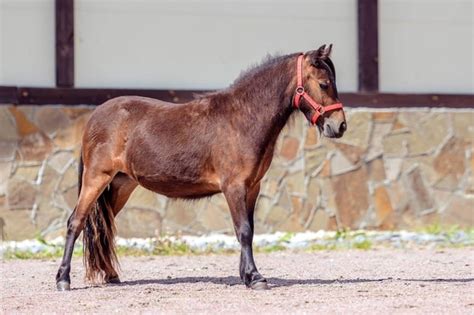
(342, 127)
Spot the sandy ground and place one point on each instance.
(376, 281)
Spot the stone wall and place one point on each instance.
(394, 169)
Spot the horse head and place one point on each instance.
(316, 92)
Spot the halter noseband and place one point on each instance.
(301, 93)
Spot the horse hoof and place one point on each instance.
(63, 286)
(114, 280)
(260, 285)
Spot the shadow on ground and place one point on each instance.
(280, 282)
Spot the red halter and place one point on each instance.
(301, 93)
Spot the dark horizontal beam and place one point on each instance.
(383, 100)
(78, 96)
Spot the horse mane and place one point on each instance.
(266, 63)
(250, 74)
(331, 67)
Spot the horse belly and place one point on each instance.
(176, 188)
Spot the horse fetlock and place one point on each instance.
(63, 274)
(251, 278)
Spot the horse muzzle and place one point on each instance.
(334, 129)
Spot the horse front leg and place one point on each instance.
(241, 201)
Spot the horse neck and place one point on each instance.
(262, 102)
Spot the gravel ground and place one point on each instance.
(375, 281)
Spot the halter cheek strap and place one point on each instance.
(301, 93)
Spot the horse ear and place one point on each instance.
(321, 53)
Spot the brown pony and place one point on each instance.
(218, 142)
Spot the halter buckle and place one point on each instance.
(320, 110)
(299, 90)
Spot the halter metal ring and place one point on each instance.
(320, 110)
(299, 90)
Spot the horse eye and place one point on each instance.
(323, 86)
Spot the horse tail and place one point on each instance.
(100, 258)
(80, 171)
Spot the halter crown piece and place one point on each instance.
(301, 93)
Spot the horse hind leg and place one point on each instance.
(118, 192)
(93, 184)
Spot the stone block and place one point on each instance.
(383, 206)
(269, 187)
(420, 197)
(146, 199)
(17, 225)
(314, 158)
(215, 220)
(34, 147)
(396, 144)
(51, 118)
(295, 183)
(49, 218)
(20, 194)
(276, 216)
(74, 112)
(430, 133)
(450, 164)
(135, 222)
(425, 165)
(8, 126)
(340, 164)
(460, 211)
(359, 125)
(352, 153)
(463, 125)
(7, 149)
(376, 170)
(284, 198)
(5, 169)
(70, 138)
(312, 138)
(262, 208)
(351, 197)
(320, 221)
(417, 141)
(70, 178)
(313, 190)
(291, 224)
(48, 180)
(60, 161)
(384, 116)
(28, 173)
(24, 126)
(70, 197)
(180, 212)
(380, 130)
(393, 167)
(289, 148)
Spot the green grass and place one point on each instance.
(270, 248)
(341, 240)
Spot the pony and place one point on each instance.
(218, 142)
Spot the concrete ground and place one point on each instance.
(351, 281)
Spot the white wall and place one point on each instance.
(426, 46)
(27, 42)
(204, 44)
